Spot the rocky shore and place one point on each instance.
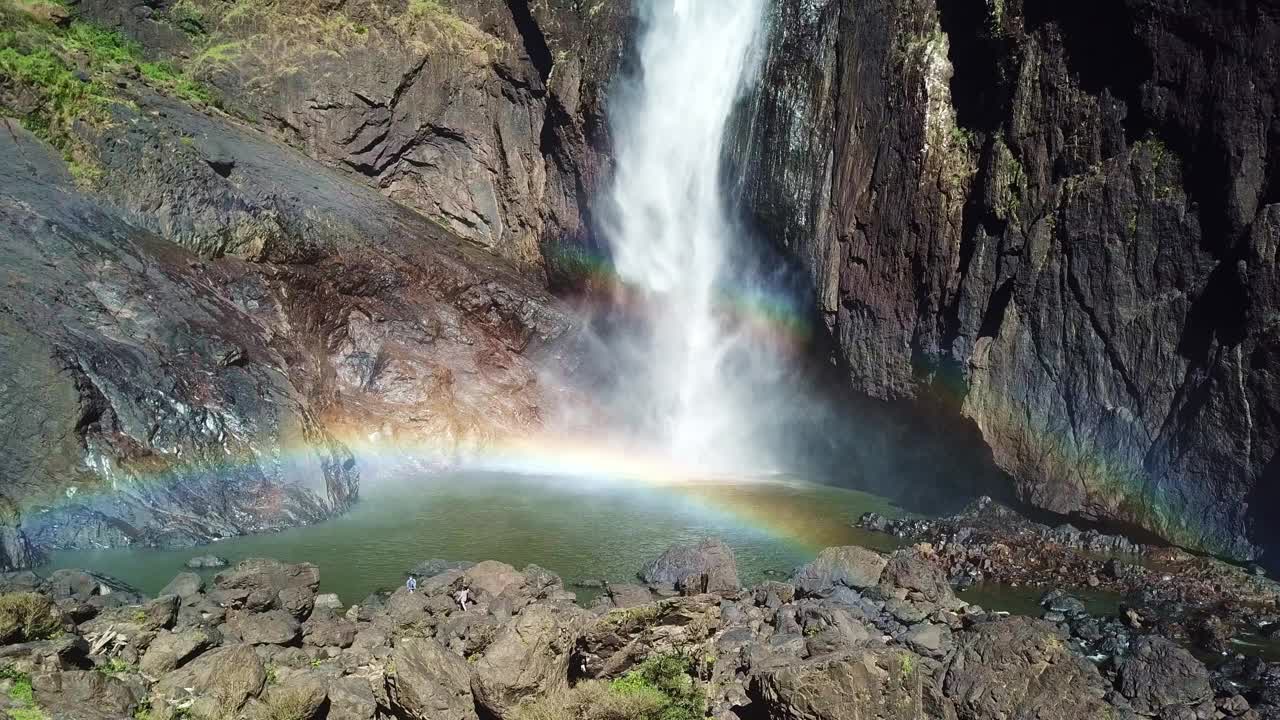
(854, 633)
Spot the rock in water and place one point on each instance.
(708, 566)
(850, 566)
(201, 562)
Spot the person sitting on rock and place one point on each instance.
(462, 596)
(412, 584)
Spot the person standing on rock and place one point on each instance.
(462, 596)
(412, 584)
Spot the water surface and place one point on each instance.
(581, 529)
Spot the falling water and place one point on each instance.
(670, 235)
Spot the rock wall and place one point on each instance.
(222, 318)
(485, 117)
(1061, 220)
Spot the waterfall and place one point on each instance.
(671, 237)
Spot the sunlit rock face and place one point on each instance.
(1073, 248)
(346, 262)
(485, 117)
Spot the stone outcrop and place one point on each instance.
(886, 651)
(1057, 221)
(198, 328)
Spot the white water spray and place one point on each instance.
(669, 232)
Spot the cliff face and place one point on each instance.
(1061, 219)
(268, 235)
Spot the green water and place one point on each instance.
(581, 529)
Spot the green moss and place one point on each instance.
(64, 75)
(908, 664)
(21, 694)
(115, 666)
(165, 77)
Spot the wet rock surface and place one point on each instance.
(900, 647)
(1201, 601)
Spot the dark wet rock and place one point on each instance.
(85, 695)
(429, 682)
(184, 585)
(204, 562)
(1158, 676)
(1059, 602)
(708, 566)
(879, 683)
(1021, 667)
(170, 650)
(849, 566)
(272, 627)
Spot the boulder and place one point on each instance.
(296, 695)
(1021, 668)
(228, 676)
(84, 695)
(170, 650)
(881, 683)
(328, 601)
(708, 566)
(184, 585)
(206, 562)
(273, 627)
(264, 580)
(848, 566)
(429, 682)
(329, 632)
(1158, 676)
(350, 698)
(160, 613)
(626, 595)
(529, 656)
(297, 601)
(831, 629)
(620, 638)
(911, 569)
(930, 639)
(492, 577)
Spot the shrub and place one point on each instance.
(28, 616)
(660, 688)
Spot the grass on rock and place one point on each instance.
(660, 688)
(27, 617)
